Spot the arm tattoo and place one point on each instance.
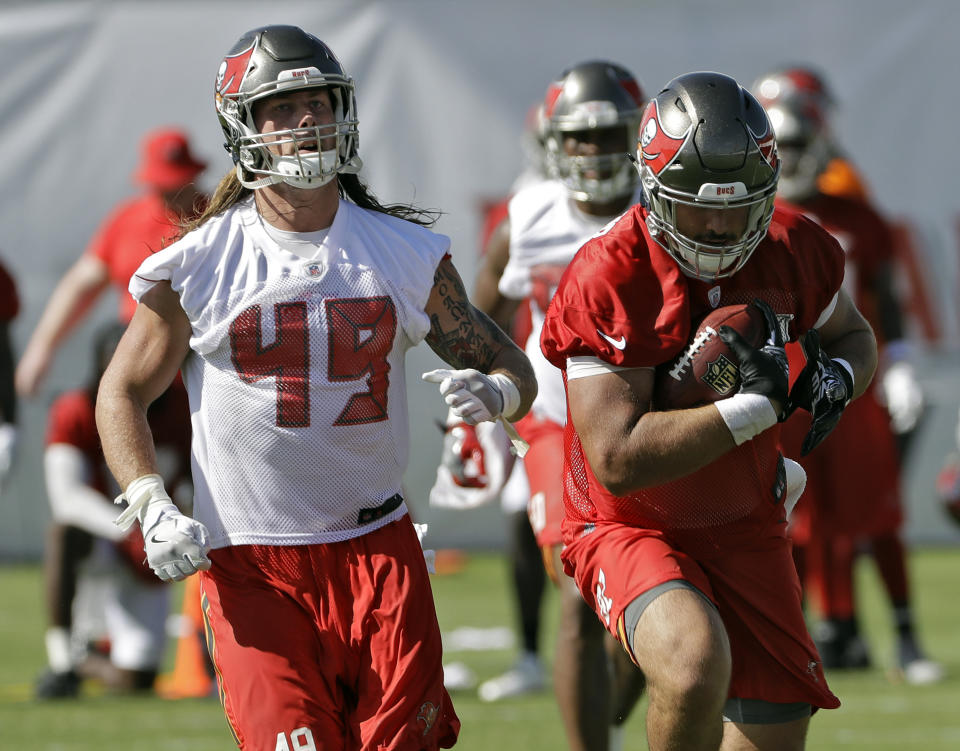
(461, 335)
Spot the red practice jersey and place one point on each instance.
(625, 301)
(9, 301)
(133, 231)
(853, 477)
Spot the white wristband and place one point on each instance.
(509, 392)
(746, 415)
(138, 496)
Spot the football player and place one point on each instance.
(290, 308)
(675, 525)
(853, 499)
(96, 582)
(590, 117)
(826, 165)
(477, 466)
(133, 230)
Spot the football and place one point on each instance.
(707, 369)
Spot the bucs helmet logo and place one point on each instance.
(232, 71)
(630, 85)
(767, 144)
(550, 101)
(657, 148)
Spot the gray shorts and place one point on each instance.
(746, 711)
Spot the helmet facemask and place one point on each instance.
(705, 260)
(258, 165)
(615, 175)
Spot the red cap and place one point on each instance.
(166, 161)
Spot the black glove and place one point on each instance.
(762, 370)
(823, 388)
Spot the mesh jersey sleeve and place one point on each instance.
(200, 266)
(406, 255)
(621, 300)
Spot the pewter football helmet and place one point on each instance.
(590, 96)
(706, 141)
(793, 82)
(273, 59)
(803, 144)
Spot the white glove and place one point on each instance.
(475, 397)
(176, 545)
(902, 395)
(8, 443)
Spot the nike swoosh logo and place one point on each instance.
(157, 541)
(618, 343)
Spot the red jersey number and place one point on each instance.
(287, 359)
(361, 332)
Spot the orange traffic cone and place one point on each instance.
(190, 677)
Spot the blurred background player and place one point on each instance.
(590, 118)
(97, 585)
(478, 467)
(135, 229)
(9, 307)
(948, 479)
(853, 498)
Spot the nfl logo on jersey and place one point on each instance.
(313, 269)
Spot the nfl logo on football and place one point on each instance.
(721, 375)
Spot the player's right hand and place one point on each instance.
(824, 388)
(176, 545)
(763, 370)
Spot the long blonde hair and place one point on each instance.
(231, 191)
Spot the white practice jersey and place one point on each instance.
(296, 375)
(546, 231)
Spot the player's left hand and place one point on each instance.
(176, 545)
(824, 388)
(473, 396)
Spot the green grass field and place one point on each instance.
(877, 712)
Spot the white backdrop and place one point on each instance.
(443, 87)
